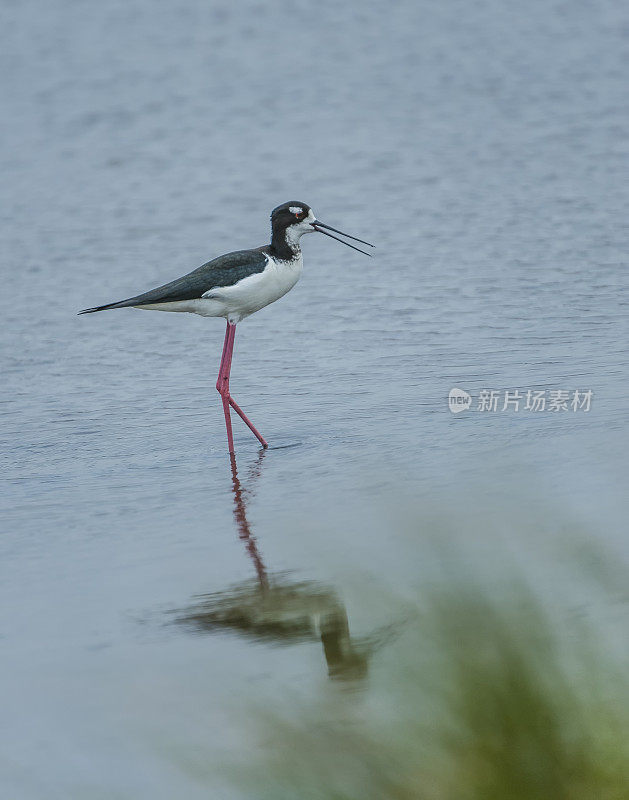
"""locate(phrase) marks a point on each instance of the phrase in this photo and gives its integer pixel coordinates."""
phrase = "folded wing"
(225, 270)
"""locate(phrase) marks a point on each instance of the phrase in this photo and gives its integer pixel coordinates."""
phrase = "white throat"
(296, 231)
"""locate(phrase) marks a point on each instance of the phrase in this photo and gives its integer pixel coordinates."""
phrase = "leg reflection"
(240, 516)
(274, 607)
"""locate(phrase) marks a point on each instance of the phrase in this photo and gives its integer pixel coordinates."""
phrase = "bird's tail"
(121, 304)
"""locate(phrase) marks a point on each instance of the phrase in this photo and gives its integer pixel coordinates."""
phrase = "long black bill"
(318, 226)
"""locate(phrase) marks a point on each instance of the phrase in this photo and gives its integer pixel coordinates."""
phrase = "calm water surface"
(148, 582)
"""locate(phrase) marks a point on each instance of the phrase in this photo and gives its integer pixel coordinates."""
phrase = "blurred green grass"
(495, 636)
(488, 694)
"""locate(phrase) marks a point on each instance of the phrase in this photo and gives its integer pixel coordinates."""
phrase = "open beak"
(318, 226)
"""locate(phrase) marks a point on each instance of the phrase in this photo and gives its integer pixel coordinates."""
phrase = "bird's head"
(291, 220)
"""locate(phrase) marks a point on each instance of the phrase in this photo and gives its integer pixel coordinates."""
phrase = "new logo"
(459, 400)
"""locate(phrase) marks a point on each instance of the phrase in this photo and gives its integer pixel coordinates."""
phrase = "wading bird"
(236, 285)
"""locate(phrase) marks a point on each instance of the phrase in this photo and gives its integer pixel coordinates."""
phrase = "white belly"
(245, 297)
(259, 290)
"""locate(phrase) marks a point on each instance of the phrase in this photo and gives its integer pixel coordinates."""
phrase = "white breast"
(259, 290)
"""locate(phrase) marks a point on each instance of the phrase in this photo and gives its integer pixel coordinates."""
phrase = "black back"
(222, 271)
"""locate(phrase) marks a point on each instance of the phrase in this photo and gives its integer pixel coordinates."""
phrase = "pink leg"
(222, 385)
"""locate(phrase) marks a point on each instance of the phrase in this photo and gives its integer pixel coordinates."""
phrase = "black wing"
(222, 271)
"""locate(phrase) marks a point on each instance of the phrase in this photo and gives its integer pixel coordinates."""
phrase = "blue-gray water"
(481, 146)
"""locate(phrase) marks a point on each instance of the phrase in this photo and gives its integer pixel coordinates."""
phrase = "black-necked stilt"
(237, 284)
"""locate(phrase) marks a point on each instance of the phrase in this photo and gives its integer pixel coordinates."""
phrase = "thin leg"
(248, 422)
(222, 385)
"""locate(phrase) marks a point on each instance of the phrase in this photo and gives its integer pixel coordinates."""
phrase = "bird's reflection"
(272, 607)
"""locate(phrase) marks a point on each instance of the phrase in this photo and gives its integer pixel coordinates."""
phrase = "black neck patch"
(280, 248)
